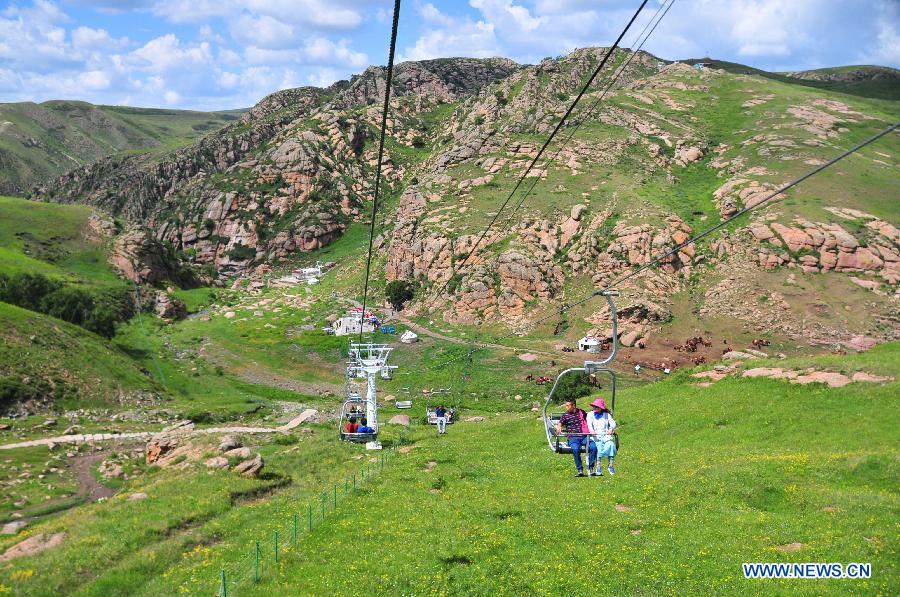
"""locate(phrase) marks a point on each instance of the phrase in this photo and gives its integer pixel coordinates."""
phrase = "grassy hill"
(746, 470)
(53, 240)
(49, 361)
(42, 141)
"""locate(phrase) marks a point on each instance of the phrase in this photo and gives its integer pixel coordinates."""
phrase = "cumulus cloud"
(215, 54)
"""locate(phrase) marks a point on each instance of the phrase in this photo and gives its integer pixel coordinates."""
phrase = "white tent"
(408, 337)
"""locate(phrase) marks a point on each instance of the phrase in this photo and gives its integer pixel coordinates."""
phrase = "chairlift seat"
(404, 404)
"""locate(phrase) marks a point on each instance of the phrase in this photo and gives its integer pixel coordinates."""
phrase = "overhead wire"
(384, 118)
(543, 148)
(658, 259)
(590, 110)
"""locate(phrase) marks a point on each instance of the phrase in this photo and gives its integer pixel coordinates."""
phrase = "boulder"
(111, 470)
(33, 545)
(399, 420)
(230, 442)
(241, 453)
(137, 496)
(11, 528)
(250, 468)
(217, 462)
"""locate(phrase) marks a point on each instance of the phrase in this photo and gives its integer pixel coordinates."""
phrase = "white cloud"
(94, 80)
(446, 35)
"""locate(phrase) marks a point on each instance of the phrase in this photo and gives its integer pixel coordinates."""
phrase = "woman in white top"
(602, 426)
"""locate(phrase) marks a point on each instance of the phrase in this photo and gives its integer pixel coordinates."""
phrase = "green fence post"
(309, 516)
(382, 461)
(256, 572)
(224, 585)
(276, 547)
(335, 496)
(354, 481)
(295, 527)
(346, 486)
(323, 505)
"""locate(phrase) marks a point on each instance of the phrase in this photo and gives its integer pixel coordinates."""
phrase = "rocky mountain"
(670, 150)
(42, 141)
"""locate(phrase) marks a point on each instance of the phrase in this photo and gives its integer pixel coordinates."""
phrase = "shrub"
(399, 292)
(241, 252)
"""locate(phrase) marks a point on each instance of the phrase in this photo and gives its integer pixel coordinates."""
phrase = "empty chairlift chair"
(558, 442)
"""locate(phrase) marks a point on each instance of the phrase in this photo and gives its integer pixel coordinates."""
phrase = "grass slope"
(40, 141)
(50, 239)
(72, 362)
(708, 478)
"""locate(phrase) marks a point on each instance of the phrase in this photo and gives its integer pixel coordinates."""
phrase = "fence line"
(255, 564)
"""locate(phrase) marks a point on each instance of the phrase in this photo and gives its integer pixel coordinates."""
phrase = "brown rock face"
(142, 259)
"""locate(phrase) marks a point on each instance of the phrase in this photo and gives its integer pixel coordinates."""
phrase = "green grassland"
(73, 366)
(707, 479)
(50, 239)
(40, 141)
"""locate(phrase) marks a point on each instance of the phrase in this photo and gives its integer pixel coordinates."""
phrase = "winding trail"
(101, 437)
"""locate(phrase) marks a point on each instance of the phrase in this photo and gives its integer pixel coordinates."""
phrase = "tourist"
(352, 426)
(364, 428)
(602, 426)
(573, 424)
(441, 413)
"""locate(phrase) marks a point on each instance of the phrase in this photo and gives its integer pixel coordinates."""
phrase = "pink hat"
(599, 403)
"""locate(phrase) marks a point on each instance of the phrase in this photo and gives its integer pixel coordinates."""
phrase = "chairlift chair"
(353, 411)
(558, 442)
(431, 411)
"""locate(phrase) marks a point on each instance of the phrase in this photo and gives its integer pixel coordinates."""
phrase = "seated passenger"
(352, 427)
(364, 428)
(602, 426)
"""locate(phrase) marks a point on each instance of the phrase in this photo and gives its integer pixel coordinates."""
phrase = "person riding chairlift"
(573, 423)
(601, 426)
(352, 427)
(364, 428)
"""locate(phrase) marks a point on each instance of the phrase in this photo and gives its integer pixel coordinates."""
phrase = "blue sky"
(220, 54)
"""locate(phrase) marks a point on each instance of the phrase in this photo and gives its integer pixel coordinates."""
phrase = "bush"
(573, 386)
(241, 253)
(399, 292)
(98, 312)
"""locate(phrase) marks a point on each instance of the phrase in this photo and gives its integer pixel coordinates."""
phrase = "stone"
(732, 355)
(630, 338)
(242, 453)
(111, 470)
(399, 420)
(622, 508)
(862, 343)
(790, 547)
(217, 462)
(870, 377)
(33, 545)
(137, 496)
(11, 528)
(250, 468)
(477, 419)
(230, 442)
(834, 380)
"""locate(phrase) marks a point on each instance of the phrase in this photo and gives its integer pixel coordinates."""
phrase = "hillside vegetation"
(41, 141)
(706, 479)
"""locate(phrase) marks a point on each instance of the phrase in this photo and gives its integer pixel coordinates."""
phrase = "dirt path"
(88, 486)
(100, 437)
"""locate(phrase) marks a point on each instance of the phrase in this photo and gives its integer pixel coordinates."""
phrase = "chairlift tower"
(370, 360)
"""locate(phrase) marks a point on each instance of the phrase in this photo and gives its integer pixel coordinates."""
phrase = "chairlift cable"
(545, 145)
(384, 118)
(616, 75)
